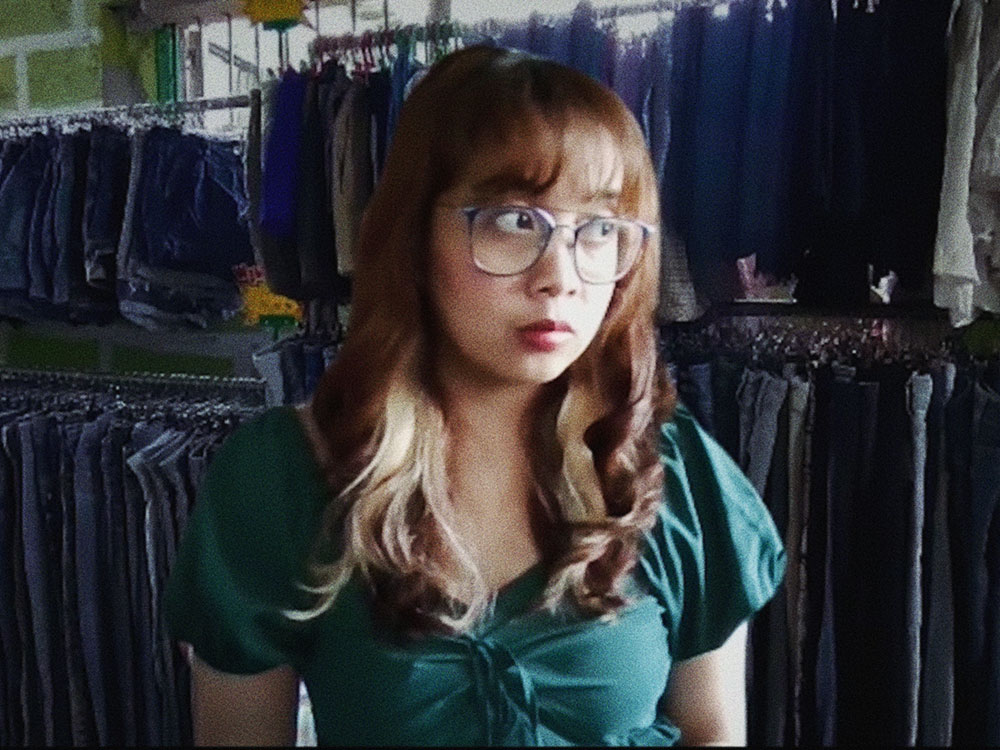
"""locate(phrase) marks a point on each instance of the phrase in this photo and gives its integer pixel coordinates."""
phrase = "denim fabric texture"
(937, 645)
(140, 539)
(726, 377)
(178, 272)
(42, 534)
(695, 389)
(90, 531)
(123, 628)
(84, 729)
(17, 207)
(761, 396)
(86, 661)
(919, 390)
(799, 397)
(32, 714)
(108, 167)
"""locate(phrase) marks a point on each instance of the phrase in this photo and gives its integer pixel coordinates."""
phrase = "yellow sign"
(268, 11)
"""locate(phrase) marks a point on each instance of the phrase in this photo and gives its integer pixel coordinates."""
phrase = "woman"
(490, 525)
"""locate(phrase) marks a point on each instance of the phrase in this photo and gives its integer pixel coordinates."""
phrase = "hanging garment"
(92, 499)
(960, 263)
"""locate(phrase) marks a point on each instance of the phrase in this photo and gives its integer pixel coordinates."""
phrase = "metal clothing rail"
(250, 386)
(661, 6)
(130, 110)
(444, 30)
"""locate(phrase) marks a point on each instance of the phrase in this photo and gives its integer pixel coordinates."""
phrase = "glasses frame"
(471, 212)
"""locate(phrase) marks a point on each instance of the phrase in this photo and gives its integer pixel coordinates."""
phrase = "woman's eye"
(516, 221)
(600, 230)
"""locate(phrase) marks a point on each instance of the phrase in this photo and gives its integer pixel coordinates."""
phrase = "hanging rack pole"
(256, 50)
(130, 110)
(134, 378)
(229, 59)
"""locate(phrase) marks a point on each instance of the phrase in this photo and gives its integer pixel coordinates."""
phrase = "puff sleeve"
(714, 557)
(245, 544)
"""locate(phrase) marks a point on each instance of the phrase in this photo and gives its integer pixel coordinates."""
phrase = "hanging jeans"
(99, 657)
(694, 386)
(124, 630)
(918, 390)
(761, 396)
(937, 646)
(12, 591)
(138, 525)
(975, 538)
(184, 231)
(108, 165)
(81, 708)
(852, 420)
(42, 536)
(799, 396)
(18, 195)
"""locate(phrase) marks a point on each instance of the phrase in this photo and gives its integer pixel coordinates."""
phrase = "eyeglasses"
(508, 240)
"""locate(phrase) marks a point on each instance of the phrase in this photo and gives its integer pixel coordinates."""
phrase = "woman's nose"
(555, 272)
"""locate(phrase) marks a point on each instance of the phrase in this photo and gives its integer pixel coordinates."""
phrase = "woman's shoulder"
(700, 475)
(714, 555)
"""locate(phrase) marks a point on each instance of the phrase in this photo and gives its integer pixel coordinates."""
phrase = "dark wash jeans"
(42, 536)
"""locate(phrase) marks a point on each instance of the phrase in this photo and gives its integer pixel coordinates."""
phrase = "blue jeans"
(918, 391)
(81, 708)
(108, 166)
(17, 206)
(42, 513)
(694, 385)
(40, 238)
(852, 421)
(33, 716)
(123, 628)
(657, 96)
(91, 572)
(937, 670)
(160, 537)
(140, 532)
(761, 396)
(11, 583)
(976, 536)
(184, 231)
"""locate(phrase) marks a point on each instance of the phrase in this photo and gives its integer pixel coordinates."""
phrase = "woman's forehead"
(581, 160)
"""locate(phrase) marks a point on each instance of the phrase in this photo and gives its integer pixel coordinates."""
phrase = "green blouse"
(524, 677)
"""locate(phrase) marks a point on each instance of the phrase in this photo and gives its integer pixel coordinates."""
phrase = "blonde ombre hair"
(376, 420)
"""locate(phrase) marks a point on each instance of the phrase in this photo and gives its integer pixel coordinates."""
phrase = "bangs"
(530, 160)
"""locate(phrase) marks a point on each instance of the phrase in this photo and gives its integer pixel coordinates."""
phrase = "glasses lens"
(605, 248)
(507, 240)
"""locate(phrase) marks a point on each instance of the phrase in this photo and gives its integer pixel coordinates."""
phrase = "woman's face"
(486, 320)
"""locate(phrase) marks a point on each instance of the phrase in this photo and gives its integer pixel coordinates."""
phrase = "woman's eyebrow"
(603, 195)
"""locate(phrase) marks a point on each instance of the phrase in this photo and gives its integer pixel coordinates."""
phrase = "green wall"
(72, 51)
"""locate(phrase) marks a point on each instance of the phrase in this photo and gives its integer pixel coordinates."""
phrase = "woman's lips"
(541, 340)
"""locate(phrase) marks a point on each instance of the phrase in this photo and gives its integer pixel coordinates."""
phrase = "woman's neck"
(500, 416)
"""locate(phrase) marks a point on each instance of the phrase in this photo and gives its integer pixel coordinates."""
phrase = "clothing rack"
(127, 111)
(243, 386)
(446, 30)
(841, 336)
